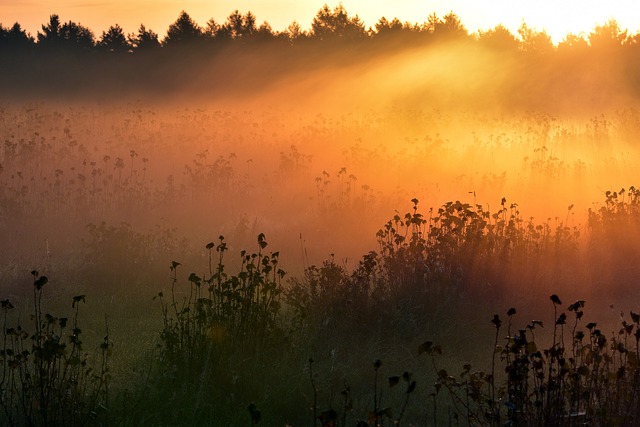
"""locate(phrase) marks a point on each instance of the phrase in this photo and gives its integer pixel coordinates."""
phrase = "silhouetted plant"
(593, 381)
(374, 416)
(221, 311)
(609, 228)
(423, 261)
(47, 377)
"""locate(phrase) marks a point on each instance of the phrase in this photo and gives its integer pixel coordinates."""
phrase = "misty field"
(410, 225)
(170, 230)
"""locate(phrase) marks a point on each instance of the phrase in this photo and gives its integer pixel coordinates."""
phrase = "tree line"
(241, 57)
(330, 25)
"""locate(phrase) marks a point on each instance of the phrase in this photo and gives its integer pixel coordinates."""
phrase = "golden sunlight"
(249, 205)
(558, 18)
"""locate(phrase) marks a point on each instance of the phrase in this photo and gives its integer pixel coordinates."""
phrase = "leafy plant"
(47, 376)
(212, 321)
(593, 379)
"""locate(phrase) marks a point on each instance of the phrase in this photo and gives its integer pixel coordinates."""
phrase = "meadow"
(151, 225)
(410, 225)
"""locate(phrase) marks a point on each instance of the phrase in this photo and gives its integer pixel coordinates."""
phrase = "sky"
(557, 17)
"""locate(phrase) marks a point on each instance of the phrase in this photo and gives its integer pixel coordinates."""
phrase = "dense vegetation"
(234, 347)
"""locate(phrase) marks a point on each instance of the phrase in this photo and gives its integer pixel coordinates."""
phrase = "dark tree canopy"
(114, 40)
(328, 24)
(333, 24)
(70, 36)
(50, 35)
(184, 30)
(386, 28)
(144, 39)
(212, 29)
(238, 26)
(77, 36)
(14, 38)
(498, 38)
(449, 27)
(58, 61)
(294, 32)
(264, 32)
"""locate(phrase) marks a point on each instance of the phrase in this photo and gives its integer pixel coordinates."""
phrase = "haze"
(131, 157)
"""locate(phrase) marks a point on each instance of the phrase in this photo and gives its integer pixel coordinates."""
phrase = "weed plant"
(222, 337)
(218, 333)
(242, 309)
(48, 378)
(610, 227)
(428, 266)
(582, 377)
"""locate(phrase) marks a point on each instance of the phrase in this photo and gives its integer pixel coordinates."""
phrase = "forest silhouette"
(241, 56)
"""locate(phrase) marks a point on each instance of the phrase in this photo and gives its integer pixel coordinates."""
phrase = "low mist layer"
(316, 183)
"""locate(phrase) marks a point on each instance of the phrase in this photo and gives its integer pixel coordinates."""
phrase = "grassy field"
(378, 266)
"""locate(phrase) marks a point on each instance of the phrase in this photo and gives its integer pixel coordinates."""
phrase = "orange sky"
(558, 17)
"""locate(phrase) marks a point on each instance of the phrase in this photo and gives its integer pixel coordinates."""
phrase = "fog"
(433, 185)
(318, 151)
